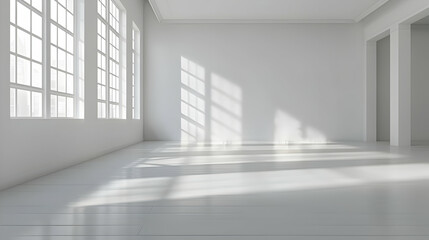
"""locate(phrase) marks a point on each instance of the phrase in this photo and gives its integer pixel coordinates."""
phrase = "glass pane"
(61, 106)
(12, 102)
(53, 34)
(61, 38)
(61, 59)
(23, 71)
(24, 15)
(36, 49)
(61, 82)
(70, 23)
(70, 5)
(36, 110)
(54, 10)
(70, 107)
(12, 39)
(12, 68)
(70, 43)
(54, 60)
(70, 84)
(36, 75)
(62, 16)
(37, 4)
(36, 24)
(54, 106)
(23, 103)
(53, 79)
(70, 65)
(63, 2)
(24, 44)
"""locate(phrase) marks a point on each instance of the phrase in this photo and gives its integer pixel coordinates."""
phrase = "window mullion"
(47, 58)
(108, 59)
(76, 70)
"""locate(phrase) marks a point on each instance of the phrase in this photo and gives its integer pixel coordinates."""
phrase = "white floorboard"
(168, 191)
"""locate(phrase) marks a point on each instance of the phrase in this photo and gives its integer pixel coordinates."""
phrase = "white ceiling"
(343, 11)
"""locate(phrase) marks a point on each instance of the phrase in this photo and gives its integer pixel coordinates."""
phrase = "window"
(45, 80)
(26, 58)
(135, 73)
(111, 83)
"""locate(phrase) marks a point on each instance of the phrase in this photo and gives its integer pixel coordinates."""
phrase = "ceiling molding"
(255, 21)
(160, 18)
(370, 10)
(155, 9)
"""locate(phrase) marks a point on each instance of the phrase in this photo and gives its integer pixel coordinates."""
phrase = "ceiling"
(255, 11)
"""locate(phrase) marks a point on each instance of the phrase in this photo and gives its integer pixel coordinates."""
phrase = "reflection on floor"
(168, 191)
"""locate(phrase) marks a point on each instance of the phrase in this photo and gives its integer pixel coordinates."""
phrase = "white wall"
(31, 148)
(383, 89)
(281, 82)
(420, 83)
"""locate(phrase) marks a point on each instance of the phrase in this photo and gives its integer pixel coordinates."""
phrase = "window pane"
(70, 43)
(70, 65)
(24, 44)
(36, 109)
(24, 15)
(54, 112)
(54, 60)
(37, 4)
(61, 59)
(70, 5)
(70, 84)
(23, 103)
(53, 79)
(23, 71)
(62, 16)
(61, 82)
(61, 38)
(70, 107)
(61, 106)
(53, 34)
(36, 24)
(12, 102)
(54, 10)
(12, 68)
(70, 23)
(12, 39)
(36, 75)
(36, 49)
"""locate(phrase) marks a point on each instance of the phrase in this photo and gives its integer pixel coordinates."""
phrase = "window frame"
(135, 72)
(121, 63)
(78, 59)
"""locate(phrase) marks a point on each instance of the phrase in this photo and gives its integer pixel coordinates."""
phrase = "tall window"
(26, 59)
(135, 73)
(62, 84)
(44, 74)
(111, 84)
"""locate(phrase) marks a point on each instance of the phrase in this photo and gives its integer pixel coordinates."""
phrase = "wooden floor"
(166, 191)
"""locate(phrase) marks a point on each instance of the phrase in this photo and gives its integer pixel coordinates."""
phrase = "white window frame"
(107, 99)
(135, 72)
(78, 61)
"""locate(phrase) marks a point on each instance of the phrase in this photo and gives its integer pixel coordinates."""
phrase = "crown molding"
(161, 19)
(254, 21)
(370, 10)
(155, 9)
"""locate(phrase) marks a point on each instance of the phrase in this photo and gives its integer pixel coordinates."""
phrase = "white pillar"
(371, 92)
(400, 85)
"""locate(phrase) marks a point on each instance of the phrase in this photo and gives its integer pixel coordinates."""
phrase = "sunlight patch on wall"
(193, 102)
(288, 129)
(226, 110)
